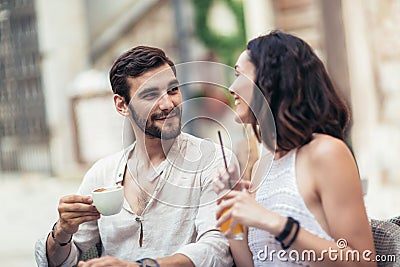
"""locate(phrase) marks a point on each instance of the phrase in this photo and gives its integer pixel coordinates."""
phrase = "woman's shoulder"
(324, 147)
(322, 144)
(329, 164)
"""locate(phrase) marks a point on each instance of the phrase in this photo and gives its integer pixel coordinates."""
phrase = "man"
(168, 217)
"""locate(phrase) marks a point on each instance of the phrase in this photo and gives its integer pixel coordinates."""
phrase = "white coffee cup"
(108, 200)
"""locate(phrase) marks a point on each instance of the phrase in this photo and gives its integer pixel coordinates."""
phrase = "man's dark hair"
(298, 89)
(133, 63)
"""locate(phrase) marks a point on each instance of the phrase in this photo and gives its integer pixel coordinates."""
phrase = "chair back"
(387, 240)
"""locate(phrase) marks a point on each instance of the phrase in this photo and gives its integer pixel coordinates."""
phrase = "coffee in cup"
(108, 200)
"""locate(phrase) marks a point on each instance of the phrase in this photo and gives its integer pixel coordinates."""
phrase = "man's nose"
(165, 102)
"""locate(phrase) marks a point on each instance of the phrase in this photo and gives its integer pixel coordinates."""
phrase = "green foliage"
(227, 47)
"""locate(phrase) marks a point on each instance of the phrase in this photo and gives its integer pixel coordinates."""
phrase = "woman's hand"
(244, 209)
(229, 179)
(241, 208)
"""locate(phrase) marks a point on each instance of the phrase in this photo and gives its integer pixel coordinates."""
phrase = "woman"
(310, 206)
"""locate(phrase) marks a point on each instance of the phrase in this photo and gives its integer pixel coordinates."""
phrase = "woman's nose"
(232, 89)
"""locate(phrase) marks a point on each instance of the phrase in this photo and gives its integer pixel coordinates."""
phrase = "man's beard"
(150, 129)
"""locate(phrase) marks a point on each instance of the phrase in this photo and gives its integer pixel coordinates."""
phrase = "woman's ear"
(120, 105)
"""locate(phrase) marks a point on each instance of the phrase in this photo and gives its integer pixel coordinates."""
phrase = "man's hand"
(75, 210)
(107, 262)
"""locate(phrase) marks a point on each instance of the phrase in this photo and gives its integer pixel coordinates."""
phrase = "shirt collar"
(174, 152)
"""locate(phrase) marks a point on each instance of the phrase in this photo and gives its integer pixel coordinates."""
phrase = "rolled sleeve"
(211, 247)
(41, 256)
(211, 250)
(86, 237)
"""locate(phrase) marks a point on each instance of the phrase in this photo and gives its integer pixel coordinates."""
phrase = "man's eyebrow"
(173, 82)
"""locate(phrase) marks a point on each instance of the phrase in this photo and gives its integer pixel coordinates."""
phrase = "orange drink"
(237, 233)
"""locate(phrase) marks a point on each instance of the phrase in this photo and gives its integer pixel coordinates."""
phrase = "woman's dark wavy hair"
(298, 89)
(133, 63)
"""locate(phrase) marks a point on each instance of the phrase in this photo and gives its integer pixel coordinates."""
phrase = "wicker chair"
(395, 220)
(387, 239)
(93, 252)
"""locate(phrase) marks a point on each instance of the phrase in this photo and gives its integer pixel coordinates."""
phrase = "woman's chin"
(242, 119)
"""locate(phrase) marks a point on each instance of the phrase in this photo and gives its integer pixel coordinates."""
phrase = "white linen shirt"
(180, 217)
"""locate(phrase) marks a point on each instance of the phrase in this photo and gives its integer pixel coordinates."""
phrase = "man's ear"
(120, 105)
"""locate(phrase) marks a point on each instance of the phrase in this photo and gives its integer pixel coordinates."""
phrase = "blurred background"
(56, 110)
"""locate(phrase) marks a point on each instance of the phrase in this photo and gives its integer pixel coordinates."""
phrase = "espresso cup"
(108, 200)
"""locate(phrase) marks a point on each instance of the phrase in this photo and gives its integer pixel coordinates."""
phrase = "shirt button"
(137, 219)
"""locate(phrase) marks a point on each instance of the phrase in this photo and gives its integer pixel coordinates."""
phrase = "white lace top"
(279, 193)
